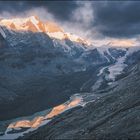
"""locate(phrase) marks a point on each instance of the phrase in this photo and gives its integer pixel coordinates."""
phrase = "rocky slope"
(115, 115)
(34, 24)
(32, 64)
(42, 67)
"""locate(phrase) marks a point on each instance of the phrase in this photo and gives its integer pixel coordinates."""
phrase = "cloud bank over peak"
(97, 21)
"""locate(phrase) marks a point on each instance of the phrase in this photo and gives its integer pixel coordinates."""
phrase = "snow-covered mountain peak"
(23, 24)
(34, 24)
(52, 27)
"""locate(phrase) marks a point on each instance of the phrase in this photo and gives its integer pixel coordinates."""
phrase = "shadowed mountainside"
(114, 115)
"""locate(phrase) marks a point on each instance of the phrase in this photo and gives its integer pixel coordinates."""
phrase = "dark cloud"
(60, 9)
(117, 19)
(113, 19)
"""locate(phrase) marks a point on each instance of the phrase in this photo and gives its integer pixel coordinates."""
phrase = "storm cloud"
(118, 19)
(60, 9)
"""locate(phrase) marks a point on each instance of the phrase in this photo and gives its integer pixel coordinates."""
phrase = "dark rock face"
(135, 58)
(36, 71)
(115, 115)
(3, 42)
(116, 53)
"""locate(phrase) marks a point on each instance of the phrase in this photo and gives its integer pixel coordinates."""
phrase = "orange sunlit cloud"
(123, 43)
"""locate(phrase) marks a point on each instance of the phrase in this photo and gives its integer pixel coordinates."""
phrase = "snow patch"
(57, 35)
(75, 100)
(102, 70)
(117, 68)
(8, 136)
(35, 22)
(103, 51)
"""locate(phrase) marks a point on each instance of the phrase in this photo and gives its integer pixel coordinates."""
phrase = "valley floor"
(116, 115)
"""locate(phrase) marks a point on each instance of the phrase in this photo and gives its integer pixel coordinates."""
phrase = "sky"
(99, 21)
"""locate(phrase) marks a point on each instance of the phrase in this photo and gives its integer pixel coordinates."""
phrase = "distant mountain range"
(34, 24)
(42, 67)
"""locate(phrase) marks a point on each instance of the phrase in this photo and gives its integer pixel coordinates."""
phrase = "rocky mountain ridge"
(45, 71)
